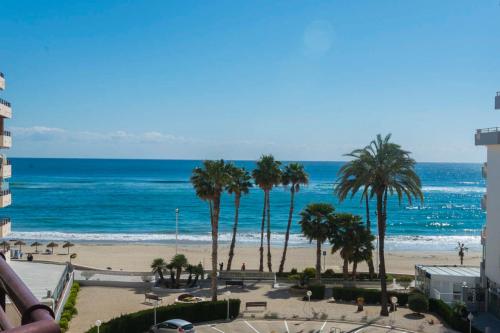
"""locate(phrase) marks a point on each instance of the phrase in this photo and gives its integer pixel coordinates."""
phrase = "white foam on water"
(454, 189)
(396, 243)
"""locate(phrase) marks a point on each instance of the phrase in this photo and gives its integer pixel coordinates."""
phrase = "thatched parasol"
(67, 245)
(20, 243)
(51, 246)
(36, 245)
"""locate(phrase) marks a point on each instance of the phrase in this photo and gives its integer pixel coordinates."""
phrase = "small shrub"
(293, 271)
(309, 272)
(418, 303)
(329, 273)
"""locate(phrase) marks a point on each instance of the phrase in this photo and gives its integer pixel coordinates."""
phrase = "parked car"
(173, 325)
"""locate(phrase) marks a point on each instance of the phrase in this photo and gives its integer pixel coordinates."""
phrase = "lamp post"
(324, 261)
(176, 228)
(98, 324)
(227, 293)
(309, 294)
(470, 317)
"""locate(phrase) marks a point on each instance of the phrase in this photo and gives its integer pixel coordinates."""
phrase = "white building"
(490, 237)
(5, 167)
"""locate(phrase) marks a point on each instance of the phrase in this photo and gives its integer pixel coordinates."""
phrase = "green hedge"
(318, 291)
(142, 321)
(69, 309)
(371, 296)
(451, 318)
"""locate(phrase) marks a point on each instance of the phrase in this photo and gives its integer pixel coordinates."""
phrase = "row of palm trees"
(376, 171)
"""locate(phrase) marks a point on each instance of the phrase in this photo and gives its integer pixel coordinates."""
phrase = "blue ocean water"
(135, 200)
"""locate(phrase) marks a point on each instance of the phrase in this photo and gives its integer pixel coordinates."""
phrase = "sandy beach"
(138, 257)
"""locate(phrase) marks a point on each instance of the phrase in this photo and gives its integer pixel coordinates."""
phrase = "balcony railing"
(4, 221)
(5, 133)
(4, 192)
(487, 136)
(35, 317)
(4, 102)
(497, 101)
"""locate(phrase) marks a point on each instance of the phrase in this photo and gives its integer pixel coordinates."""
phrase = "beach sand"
(138, 257)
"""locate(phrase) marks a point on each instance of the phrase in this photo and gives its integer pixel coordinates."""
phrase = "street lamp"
(470, 316)
(98, 323)
(227, 293)
(176, 228)
(309, 294)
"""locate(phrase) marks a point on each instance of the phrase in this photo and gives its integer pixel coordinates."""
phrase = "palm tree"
(209, 182)
(316, 224)
(239, 184)
(391, 171)
(348, 185)
(158, 267)
(267, 174)
(294, 176)
(178, 262)
(363, 246)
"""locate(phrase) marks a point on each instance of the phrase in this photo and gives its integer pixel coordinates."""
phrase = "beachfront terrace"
(5, 109)
(2, 81)
(487, 136)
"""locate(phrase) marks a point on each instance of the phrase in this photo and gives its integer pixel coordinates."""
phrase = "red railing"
(35, 317)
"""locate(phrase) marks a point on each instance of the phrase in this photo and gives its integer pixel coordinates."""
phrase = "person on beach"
(221, 266)
(461, 254)
(243, 267)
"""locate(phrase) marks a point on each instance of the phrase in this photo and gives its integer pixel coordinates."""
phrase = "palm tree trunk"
(381, 213)
(269, 262)
(287, 234)
(178, 277)
(215, 237)
(235, 229)
(371, 268)
(318, 260)
(261, 249)
(354, 269)
(345, 269)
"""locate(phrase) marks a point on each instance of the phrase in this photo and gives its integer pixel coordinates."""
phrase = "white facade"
(5, 167)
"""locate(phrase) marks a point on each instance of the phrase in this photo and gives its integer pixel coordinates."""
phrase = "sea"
(114, 200)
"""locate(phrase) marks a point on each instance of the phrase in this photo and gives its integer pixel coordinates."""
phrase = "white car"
(173, 325)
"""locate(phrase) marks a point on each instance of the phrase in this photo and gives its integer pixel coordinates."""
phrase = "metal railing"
(4, 221)
(488, 130)
(4, 102)
(5, 133)
(4, 192)
(35, 317)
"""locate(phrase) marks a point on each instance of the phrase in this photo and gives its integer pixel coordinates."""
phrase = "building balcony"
(5, 226)
(5, 170)
(497, 101)
(484, 170)
(488, 136)
(5, 139)
(2, 81)
(484, 201)
(5, 198)
(5, 109)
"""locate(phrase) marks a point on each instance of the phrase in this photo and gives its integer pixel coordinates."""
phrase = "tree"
(178, 262)
(391, 171)
(293, 176)
(349, 183)
(239, 184)
(342, 240)
(158, 267)
(361, 242)
(209, 182)
(316, 224)
(267, 174)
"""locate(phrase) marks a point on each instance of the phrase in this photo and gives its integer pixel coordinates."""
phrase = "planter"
(297, 292)
(189, 299)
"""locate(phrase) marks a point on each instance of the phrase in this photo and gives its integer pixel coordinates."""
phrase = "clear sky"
(304, 80)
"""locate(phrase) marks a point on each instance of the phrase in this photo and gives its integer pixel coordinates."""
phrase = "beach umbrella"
(5, 245)
(52, 245)
(36, 245)
(20, 243)
(67, 245)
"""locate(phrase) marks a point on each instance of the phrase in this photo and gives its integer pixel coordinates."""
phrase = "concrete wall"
(493, 215)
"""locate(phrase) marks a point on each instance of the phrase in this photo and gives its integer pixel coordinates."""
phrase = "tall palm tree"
(391, 171)
(239, 184)
(267, 174)
(294, 176)
(316, 224)
(346, 186)
(209, 182)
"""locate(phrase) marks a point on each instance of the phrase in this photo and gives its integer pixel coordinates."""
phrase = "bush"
(329, 273)
(69, 309)
(418, 303)
(293, 271)
(450, 317)
(371, 296)
(197, 312)
(318, 291)
(309, 272)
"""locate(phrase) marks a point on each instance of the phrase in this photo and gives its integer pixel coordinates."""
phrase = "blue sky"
(304, 80)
